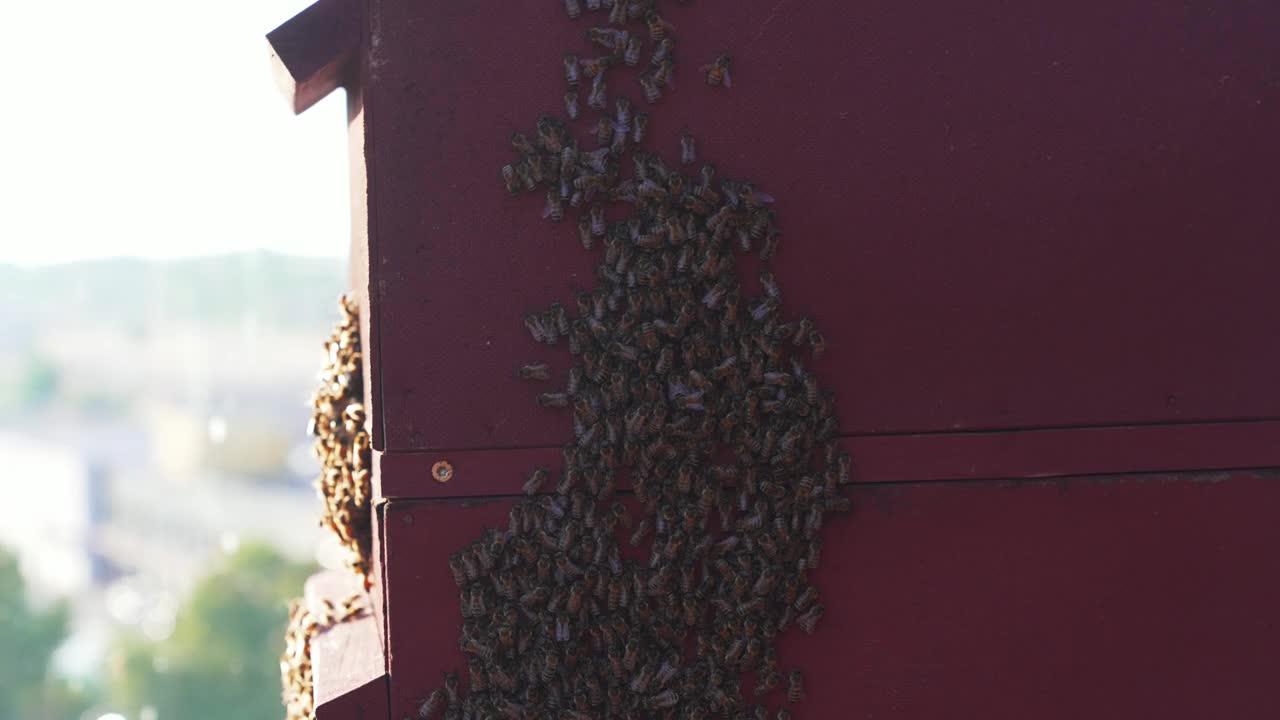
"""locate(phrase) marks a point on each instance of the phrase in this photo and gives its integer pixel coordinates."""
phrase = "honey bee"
(597, 99)
(554, 209)
(521, 143)
(513, 183)
(795, 686)
(642, 529)
(662, 51)
(594, 67)
(664, 699)
(573, 8)
(553, 400)
(688, 148)
(550, 133)
(652, 93)
(571, 104)
(631, 55)
(618, 13)
(432, 705)
(639, 124)
(664, 73)
(817, 343)
(808, 621)
(535, 481)
(593, 4)
(455, 567)
(571, 70)
(535, 371)
(604, 131)
(658, 27)
(718, 72)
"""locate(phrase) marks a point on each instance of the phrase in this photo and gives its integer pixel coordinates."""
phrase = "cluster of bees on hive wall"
(667, 603)
(342, 446)
(341, 443)
(295, 663)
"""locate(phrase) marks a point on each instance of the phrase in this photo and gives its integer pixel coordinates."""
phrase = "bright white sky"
(155, 128)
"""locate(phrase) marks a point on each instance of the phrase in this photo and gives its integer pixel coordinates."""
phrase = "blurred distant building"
(54, 501)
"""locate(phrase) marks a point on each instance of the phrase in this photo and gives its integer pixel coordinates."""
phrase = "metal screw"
(442, 471)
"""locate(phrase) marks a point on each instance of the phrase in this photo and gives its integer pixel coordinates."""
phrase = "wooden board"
(1005, 217)
(1106, 597)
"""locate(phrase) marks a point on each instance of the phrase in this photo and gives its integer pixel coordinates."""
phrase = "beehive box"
(1037, 240)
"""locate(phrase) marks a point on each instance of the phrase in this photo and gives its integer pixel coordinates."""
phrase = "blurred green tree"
(222, 660)
(39, 383)
(28, 638)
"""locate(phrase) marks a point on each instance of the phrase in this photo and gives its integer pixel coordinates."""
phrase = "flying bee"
(652, 93)
(554, 209)
(688, 148)
(573, 8)
(631, 55)
(571, 104)
(718, 72)
(638, 126)
(535, 371)
(553, 400)
(597, 99)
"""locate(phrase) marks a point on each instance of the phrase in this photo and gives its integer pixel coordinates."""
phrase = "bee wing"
(728, 80)
(762, 197)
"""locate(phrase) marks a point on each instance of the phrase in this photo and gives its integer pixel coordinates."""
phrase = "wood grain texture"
(1109, 597)
(1005, 217)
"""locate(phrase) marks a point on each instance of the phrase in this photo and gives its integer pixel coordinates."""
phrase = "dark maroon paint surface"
(1117, 597)
(1004, 215)
(903, 458)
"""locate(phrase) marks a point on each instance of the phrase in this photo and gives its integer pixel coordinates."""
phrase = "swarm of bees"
(341, 442)
(295, 662)
(685, 386)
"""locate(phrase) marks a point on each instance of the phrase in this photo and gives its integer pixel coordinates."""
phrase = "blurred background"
(172, 246)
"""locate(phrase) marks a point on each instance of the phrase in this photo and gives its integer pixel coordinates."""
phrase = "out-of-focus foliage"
(222, 659)
(28, 638)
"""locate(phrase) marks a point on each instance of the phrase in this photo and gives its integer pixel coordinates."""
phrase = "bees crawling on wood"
(717, 72)
(685, 382)
(341, 443)
(295, 663)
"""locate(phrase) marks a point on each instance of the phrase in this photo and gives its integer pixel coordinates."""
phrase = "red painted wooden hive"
(1040, 241)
